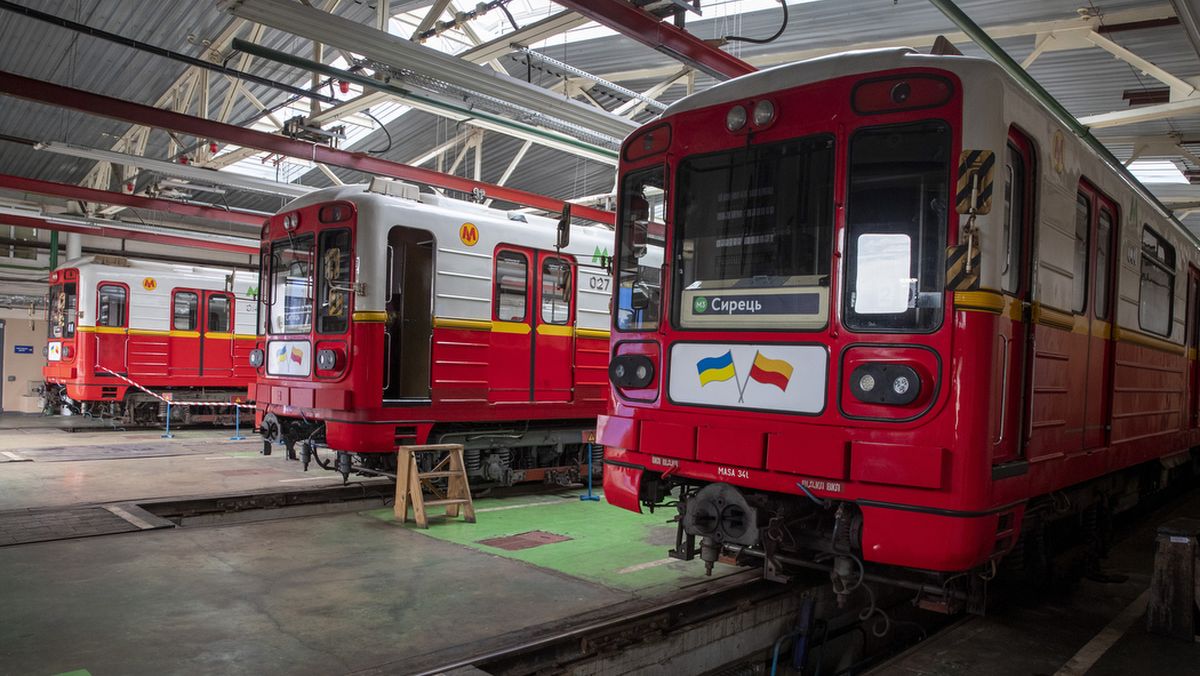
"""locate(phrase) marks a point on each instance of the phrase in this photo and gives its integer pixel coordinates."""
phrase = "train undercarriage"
(1063, 536)
(140, 408)
(494, 456)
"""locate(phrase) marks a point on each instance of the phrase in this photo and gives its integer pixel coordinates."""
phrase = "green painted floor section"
(608, 545)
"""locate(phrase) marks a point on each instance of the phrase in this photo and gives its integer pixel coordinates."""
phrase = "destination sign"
(757, 304)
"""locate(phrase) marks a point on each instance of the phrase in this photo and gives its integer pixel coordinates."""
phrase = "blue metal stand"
(167, 434)
(589, 495)
(237, 424)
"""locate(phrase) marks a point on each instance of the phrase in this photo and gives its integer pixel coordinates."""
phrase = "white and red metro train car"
(840, 363)
(392, 317)
(178, 330)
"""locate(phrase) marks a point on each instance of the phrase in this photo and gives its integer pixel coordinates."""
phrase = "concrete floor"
(1069, 634)
(323, 594)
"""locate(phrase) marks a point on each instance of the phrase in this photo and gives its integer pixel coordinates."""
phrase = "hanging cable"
(385, 131)
(763, 41)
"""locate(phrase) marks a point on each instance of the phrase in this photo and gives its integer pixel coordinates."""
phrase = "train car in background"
(395, 317)
(904, 319)
(178, 330)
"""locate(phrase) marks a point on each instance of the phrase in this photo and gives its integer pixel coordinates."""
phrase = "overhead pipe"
(75, 192)
(1035, 89)
(75, 228)
(277, 56)
(107, 106)
(638, 24)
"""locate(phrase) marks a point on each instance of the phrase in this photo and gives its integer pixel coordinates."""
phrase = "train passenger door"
(1014, 339)
(510, 360)
(1098, 391)
(216, 342)
(112, 326)
(408, 331)
(183, 358)
(1193, 342)
(554, 329)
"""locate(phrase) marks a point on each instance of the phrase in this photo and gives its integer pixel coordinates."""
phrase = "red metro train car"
(837, 362)
(395, 317)
(177, 329)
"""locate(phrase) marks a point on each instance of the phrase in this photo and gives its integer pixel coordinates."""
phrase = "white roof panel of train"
(824, 68)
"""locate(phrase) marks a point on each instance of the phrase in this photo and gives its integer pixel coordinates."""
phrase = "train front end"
(791, 375)
(61, 372)
(316, 333)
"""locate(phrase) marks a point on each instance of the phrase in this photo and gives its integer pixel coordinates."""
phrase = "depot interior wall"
(22, 372)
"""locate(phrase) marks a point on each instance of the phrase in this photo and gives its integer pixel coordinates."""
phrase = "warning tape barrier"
(172, 402)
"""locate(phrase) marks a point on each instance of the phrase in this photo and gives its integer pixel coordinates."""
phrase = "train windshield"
(639, 263)
(291, 285)
(896, 224)
(754, 236)
(63, 310)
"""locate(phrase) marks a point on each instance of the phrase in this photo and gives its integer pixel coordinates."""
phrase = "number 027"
(599, 283)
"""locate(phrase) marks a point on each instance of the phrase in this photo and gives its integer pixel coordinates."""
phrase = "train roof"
(134, 266)
(362, 191)
(825, 68)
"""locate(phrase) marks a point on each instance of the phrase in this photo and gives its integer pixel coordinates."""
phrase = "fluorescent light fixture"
(1157, 171)
(97, 224)
(185, 171)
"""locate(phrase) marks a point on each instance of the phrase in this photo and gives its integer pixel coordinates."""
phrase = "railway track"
(690, 631)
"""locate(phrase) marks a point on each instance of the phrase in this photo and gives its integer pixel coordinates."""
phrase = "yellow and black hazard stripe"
(972, 163)
(958, 278)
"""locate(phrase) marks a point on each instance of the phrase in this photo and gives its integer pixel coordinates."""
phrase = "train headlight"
(764, 113)
(900, 384)
(257, 356)
(735, 119)
(67, 352)
(631, 371)
(866, 383)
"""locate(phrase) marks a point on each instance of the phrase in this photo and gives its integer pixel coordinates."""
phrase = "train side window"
(512, 283)
(556, 291)
(1014, 203)
(218, 314)
(1156, 291)
(112, 304)
(1104, 229)
(183, 316)
(1083, 223)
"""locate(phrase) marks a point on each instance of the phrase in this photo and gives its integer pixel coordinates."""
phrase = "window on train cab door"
(1014, 204)
(896, 223)
(641, 238)
(1104, 234)
(218, 314)
(556, 291)
(333, 291)
(112, 303)
(1156, 293)
(1083, 223)
(183, 316)
(63, 311)
(512, 284)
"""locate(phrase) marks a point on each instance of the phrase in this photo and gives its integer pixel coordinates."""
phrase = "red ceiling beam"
(75, 192)
(98, 104)
(124, 233)
(640, 25)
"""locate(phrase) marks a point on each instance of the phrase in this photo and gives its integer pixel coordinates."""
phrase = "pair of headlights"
(327, 359)
(889, 384)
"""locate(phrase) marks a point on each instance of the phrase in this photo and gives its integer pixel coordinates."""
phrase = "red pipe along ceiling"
(33, 185)
(197, 242)
(98, 104)
(638, 24)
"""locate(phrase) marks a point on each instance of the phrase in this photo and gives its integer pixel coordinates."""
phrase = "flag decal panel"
(771, 377)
